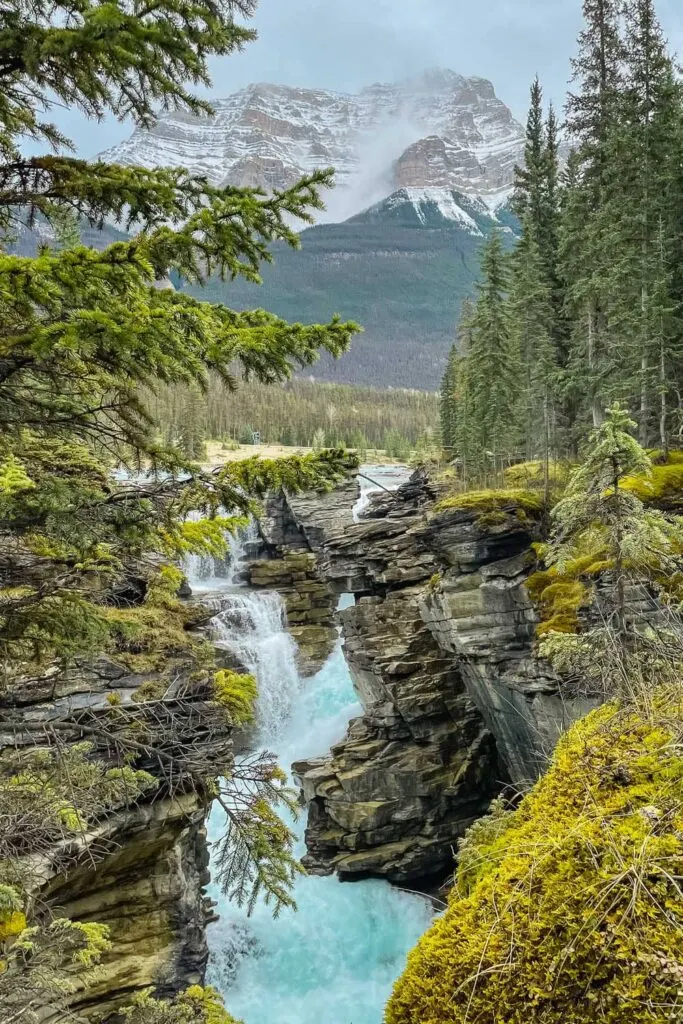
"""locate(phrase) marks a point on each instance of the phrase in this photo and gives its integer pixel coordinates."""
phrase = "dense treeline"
(587, 309)
(300, 412)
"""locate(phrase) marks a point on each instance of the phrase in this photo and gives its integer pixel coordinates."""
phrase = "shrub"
(569, 909)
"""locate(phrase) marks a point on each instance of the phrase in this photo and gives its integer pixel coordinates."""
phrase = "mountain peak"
(438, 129)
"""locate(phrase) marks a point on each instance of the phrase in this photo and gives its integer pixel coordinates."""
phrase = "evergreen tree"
(602, 525)
(586, 232)
(640, 210)
(192, 434)
(537, 203)
(531, 180)
(447, 402)
(86, 336)
(531, 319)
(492, 369)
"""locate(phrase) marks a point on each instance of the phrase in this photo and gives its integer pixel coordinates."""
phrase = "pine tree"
(531, 318)
(537, 203)
(591, 112)
(531, 180)
(492, 369)
(447, 402)
(640, 211)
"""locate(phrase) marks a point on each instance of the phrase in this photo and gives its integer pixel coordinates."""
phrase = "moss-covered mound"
(662, 487)
(493, 500)
(570, 909)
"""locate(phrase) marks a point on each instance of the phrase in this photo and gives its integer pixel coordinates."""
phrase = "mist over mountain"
(439, 129)
(424, 168)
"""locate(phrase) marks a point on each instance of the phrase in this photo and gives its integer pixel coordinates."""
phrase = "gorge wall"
(439, 643)
(142, 868)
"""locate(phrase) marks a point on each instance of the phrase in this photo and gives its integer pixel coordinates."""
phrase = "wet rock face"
(420, 765)
(415, 770)
(309, 603)
(481, 615)
(440, 648)
(150, 894)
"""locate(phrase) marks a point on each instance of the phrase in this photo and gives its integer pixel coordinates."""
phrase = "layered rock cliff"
(142, 867)
(438, 129)
(440, 647)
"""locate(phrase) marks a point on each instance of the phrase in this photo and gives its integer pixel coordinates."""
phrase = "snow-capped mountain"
(440, 130)
(434, 206)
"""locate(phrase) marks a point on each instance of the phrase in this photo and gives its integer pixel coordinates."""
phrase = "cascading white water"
(335, 959)
(210, 574)
(251, 624)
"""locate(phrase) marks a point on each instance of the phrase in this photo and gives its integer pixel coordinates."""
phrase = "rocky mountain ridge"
(440, 130)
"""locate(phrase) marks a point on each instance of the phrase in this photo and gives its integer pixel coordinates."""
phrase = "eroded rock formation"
(420, 765)
(309, 604)
(150, 893)
(456, 703)
(142, 868)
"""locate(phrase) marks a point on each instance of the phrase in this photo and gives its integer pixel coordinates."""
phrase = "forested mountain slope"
(401, 269)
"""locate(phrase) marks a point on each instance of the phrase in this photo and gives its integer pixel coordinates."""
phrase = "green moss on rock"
(570, 909)
(489, 501)
(662, 487)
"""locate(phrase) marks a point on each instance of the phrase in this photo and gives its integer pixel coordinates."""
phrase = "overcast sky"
(350, 44)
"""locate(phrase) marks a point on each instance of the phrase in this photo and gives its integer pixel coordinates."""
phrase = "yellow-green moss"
(560, 596)
(532, 475)
(435, 582)
(12, 924)
(488, 520)
(574, 912)
(154, 636)
(662, 488)
(196, 1005)
(659, 458)
(151, 689)
(492, 501)
(559, 599)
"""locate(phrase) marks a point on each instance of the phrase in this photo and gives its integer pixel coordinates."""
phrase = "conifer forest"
(587, 308)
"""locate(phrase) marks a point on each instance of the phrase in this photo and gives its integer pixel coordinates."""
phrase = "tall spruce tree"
(492, 367)
(531, 179)
(640, 210)
(447, 401)
(591, 112)
(531, 322)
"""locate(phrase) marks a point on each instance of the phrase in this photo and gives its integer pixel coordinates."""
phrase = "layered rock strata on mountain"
(437, 129)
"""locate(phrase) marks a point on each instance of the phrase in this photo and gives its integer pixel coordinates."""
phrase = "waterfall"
(205, 573)
(251, 624)
(335, 959)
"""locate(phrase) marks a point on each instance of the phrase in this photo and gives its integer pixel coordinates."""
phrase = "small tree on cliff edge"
(603, 526)
(81, 331)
